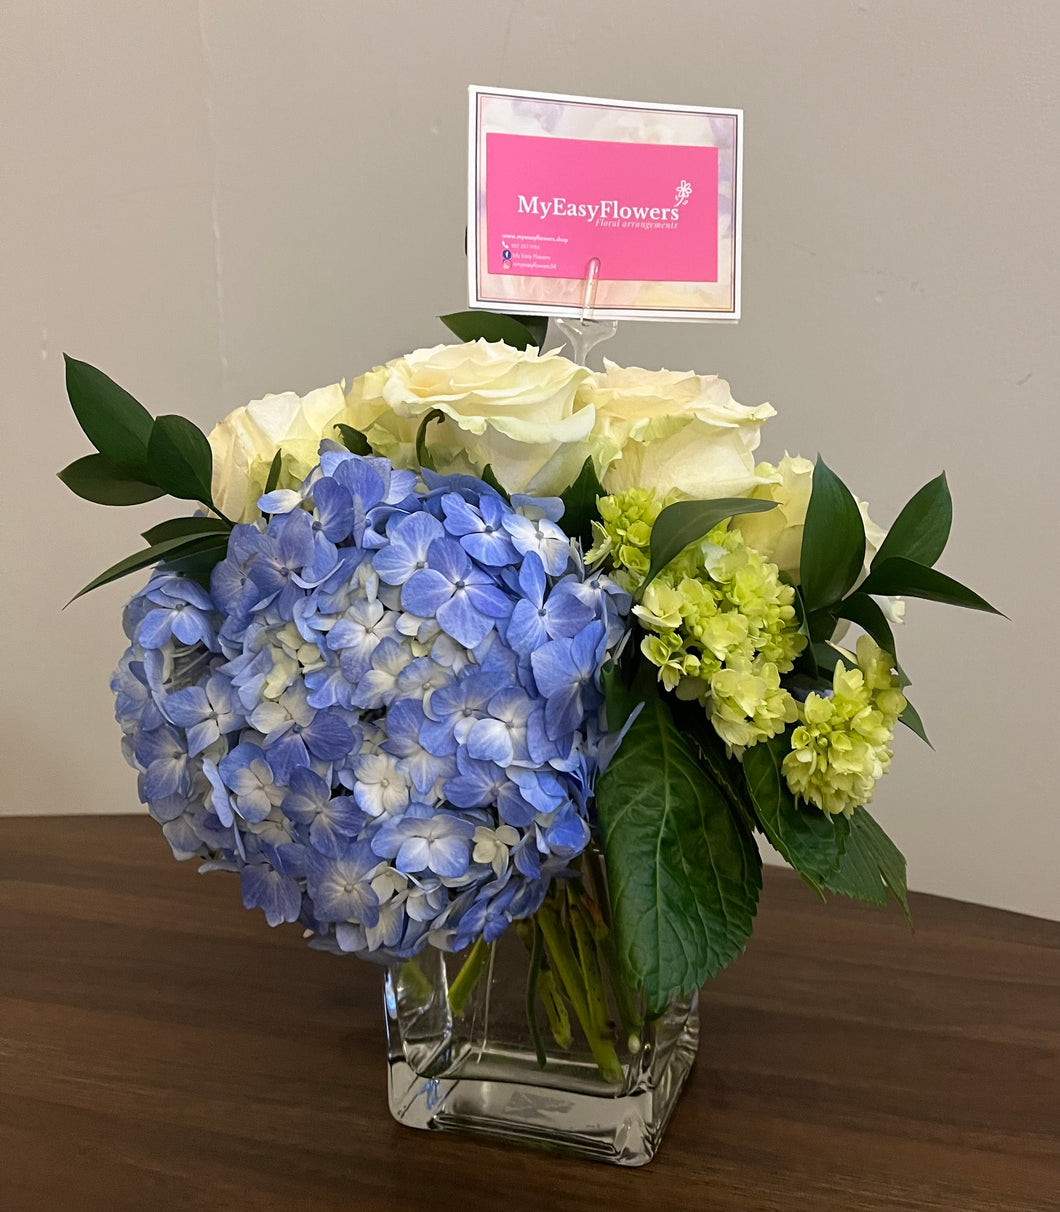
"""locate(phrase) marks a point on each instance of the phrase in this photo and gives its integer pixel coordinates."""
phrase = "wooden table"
(160, 1048)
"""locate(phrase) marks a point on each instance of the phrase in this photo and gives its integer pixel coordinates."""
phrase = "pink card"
(644, 197)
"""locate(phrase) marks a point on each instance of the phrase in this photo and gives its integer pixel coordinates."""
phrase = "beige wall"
(220, 199)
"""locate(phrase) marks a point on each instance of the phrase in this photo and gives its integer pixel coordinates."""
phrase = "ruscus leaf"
(171, 548)
(183, 528)
(180, 460)
(97, 478)
(910, 717)
(117, 425)
(808, 659)
(686, 521)
(423, 455)
(904, 578)
(519, 332)
(537, 326)
(198, 564)
(859, 608)
(354, 441)
(273, 478)
(833, 541)
(490, 478)
(579, 503)
(921, 530)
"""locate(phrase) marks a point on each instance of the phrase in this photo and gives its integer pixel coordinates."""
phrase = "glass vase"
(535, 1038)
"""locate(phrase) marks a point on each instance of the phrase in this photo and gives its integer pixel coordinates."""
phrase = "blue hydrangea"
(385, 714)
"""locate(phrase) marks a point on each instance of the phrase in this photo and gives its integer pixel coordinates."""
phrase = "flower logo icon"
(683, 193)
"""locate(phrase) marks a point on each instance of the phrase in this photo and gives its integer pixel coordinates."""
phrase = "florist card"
(631, 207)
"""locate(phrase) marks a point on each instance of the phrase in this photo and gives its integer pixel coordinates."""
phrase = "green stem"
(625, 1002)
(595, 1002)
(555, 1008)
(536, 956)
(467, 978)
(213, 509)
(563, 961)
(415, 984)
(628, 1014)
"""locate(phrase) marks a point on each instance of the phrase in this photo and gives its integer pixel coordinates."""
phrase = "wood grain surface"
(160, 1048)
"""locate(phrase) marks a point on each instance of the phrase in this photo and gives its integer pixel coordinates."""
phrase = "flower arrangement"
(428, 639)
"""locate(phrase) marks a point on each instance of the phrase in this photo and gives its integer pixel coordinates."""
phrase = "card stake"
(584, 333)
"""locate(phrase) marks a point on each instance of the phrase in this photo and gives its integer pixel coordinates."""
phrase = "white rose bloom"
(777, 534)
(516, 410)
(245, 443)
(671, 430)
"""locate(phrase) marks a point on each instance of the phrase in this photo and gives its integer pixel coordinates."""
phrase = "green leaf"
(822, 625)
(200, 563)
(492, 326)
(910, 717)
(807, 660)
(685, 522)
(423, 455)
(117, 425)
(922, 528)
(833, 541)
(827, 656)
(275, 467)
(183, 528)
(684, 875)
(488, 477)
(180, 460)
(810, 840)
(537, 326)
(871, 866)
(170, 548)
(904, 578)
(860, 609)
(620, 695)
(354, 440)
(97, 478)
(579, 504)
(725, 771)
(867, 614)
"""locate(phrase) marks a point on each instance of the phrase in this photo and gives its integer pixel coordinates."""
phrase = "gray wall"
(216, 200)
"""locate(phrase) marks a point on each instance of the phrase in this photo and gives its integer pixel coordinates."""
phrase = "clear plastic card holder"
(583, 333)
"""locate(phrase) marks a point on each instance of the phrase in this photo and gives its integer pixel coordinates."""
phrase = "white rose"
(245, 443)
(515, 410)
(670, 430)
(777, 534)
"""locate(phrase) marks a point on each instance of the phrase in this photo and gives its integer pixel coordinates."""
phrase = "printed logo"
(607, 212)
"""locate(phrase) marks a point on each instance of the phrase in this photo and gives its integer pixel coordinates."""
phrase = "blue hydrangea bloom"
(386, 712)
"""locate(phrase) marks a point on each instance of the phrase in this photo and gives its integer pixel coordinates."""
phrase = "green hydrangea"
(842, 746)
(624, 534)
(747, 703)
(721, 625)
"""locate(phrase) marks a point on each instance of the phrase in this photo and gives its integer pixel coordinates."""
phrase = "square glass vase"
(533, 1039)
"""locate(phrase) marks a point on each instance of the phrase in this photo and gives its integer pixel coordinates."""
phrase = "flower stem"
(414, 984)
(628, 1013)
(555, 1008)
(467, 978)
(532, 977)
(595, 1002)
(562, 958)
